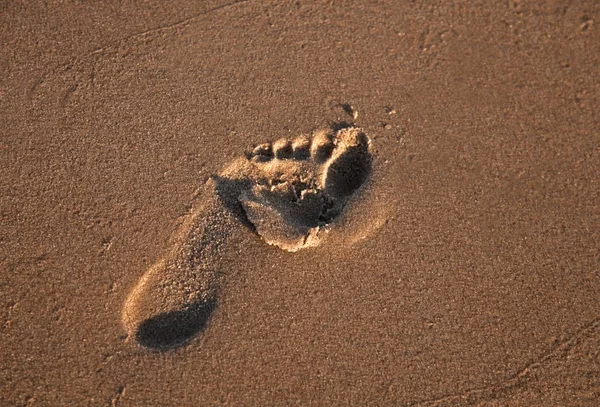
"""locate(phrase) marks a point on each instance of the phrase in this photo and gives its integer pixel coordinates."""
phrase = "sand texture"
(321, 203)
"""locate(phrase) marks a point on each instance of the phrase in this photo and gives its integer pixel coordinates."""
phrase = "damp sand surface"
(461, 270)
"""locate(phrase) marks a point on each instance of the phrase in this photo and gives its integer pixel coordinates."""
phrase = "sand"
(466, 271)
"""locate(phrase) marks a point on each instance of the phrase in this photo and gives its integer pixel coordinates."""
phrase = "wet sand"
(466, 272)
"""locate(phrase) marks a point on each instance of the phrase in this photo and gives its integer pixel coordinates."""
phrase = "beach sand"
(464, 271)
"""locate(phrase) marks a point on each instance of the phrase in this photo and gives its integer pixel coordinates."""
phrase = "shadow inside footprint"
(174, 328)
(348, 172)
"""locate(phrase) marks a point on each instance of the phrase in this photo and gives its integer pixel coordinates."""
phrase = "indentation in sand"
(287, 191)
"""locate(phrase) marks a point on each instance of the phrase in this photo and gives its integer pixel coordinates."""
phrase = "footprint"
(287, 192)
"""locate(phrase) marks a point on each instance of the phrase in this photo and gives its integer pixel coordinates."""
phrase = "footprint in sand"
(288, 191)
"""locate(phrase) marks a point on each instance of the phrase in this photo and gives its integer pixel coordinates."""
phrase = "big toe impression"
(351, 168)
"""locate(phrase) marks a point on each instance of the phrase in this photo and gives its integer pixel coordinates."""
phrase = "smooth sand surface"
(467, 271)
